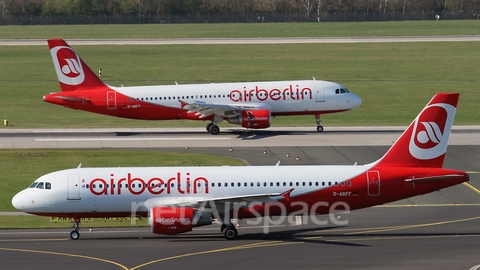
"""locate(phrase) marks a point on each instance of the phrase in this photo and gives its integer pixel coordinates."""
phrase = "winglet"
(286, 194)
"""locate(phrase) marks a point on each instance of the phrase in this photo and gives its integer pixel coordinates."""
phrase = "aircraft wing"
(207, 109)
(248, 198)
(219, 202)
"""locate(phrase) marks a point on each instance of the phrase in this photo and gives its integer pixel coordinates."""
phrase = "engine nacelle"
(255, 119)
(174, 220)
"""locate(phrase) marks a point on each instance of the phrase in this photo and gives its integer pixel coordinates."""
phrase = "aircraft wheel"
(74, 235)
(214, 130)
(230, 233)
(209, 126)
(320, 129)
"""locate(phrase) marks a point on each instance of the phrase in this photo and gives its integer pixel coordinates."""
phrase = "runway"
(228, 137)
(436, 231)
(192, 41)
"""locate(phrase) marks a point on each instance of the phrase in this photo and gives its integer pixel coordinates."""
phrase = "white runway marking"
(130, 139)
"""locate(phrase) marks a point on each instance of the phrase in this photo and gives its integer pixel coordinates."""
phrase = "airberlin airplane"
(178, 198)
(249, 104)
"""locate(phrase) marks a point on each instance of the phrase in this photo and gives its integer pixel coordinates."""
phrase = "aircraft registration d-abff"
(249, 104)
(179, 198)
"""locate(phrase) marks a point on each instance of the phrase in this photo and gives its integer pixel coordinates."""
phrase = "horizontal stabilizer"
(433, 178)
(72, 99)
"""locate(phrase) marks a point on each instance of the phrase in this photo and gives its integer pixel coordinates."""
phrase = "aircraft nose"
(355, 101)
(18, 201)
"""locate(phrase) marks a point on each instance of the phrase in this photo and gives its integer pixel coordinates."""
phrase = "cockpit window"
(48, 185)
(341, 91)
(34, 184)
(40, 185)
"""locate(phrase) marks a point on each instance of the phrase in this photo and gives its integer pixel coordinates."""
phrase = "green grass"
(19, 168)
(395, 80)
(247, 30)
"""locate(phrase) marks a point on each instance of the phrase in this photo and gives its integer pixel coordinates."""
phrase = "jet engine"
(174, 220)
(255, 119)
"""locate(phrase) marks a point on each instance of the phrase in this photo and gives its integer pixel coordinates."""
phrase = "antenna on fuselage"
(79, 166)
(314, 78)
(176, 83)
(278, 164)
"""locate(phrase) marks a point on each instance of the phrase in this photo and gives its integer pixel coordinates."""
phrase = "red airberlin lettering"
(154, 185)
(291, 92)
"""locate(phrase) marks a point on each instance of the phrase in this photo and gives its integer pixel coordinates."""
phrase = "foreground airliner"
(249, 104)
(179, 198)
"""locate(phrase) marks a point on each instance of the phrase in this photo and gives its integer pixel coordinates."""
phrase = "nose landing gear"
(74, 235)
(318, 120)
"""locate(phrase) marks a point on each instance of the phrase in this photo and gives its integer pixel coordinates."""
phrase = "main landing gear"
(317, 119)
(213, 128)
(76, 227)
(229, 231)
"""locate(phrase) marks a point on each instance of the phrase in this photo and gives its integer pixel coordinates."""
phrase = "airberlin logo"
(261, 94)
(431, 131)
(178, 184)
(67, 65)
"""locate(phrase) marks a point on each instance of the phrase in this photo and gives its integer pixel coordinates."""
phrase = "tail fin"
(73, 74)
(424, 142)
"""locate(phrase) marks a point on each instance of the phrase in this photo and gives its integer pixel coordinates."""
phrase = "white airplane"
(249, 104)
(178, 198)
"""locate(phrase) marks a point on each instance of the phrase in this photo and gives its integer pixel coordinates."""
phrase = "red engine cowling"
(252, 119)
(171, 220)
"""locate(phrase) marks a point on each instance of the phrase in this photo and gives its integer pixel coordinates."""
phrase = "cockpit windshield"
(41, 185)
(341, 91)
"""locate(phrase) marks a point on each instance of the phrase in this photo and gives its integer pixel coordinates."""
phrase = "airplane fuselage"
(116, 192)
(166, 101)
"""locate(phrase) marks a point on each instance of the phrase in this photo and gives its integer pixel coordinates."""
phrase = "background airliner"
(179, 198)
(249, 104)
